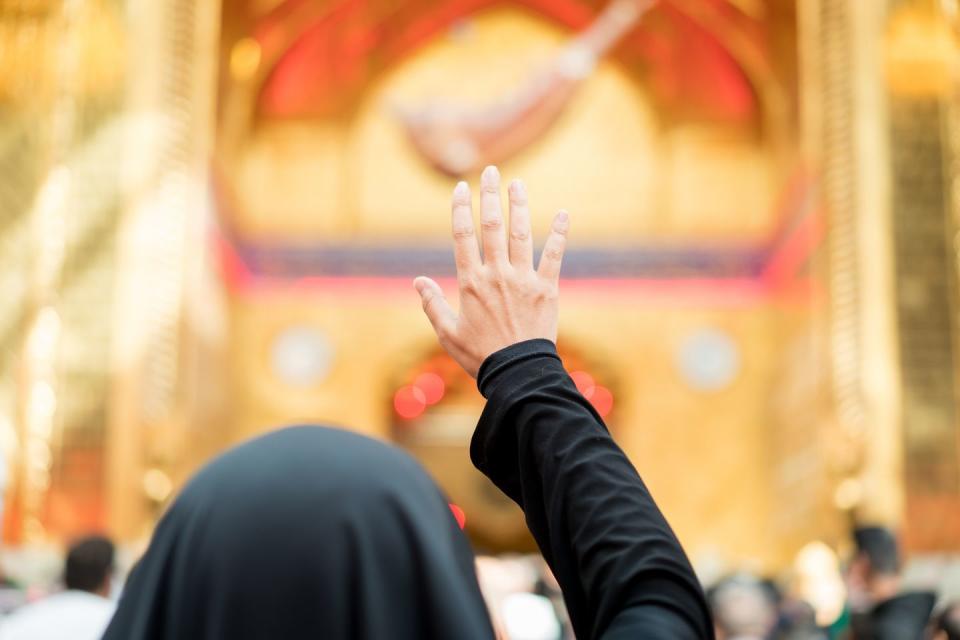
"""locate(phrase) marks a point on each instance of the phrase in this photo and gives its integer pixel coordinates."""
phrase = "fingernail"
(462, 190)
(490, 176)
(518, 188)
(419, 284)
(563, 216)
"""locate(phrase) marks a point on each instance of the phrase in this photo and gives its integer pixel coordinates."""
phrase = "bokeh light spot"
(432, 386)
(409, 402)
(585, 383)
(602, 400)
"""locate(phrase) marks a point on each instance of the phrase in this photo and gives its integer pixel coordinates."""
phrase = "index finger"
(465, 250)
(552, 256)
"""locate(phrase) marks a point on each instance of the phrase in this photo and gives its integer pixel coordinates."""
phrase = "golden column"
(61, 67)
(108, 112)
(844, 117)
(920, 62)
(166, 303)
(880, 120)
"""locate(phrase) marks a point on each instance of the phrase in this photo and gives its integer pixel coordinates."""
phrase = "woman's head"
(306, 532)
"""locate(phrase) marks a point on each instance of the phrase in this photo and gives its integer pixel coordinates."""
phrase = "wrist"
(498, 362)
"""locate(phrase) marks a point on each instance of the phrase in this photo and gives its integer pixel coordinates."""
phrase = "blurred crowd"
(525, 602)
(872, 599)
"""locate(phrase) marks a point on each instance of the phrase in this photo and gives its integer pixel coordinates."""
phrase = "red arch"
(337, 54)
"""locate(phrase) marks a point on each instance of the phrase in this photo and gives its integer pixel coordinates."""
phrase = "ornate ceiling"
(703, 58)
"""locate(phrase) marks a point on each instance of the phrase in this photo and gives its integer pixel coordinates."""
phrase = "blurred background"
(211, 214)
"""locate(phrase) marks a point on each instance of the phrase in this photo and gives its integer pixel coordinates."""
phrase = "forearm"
(598, 527)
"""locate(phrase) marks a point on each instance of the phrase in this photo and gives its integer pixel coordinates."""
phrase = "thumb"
(435, 305)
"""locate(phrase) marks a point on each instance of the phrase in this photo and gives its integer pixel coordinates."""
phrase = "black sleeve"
(621, 568)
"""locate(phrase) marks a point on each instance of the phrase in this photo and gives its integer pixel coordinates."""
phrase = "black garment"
(307, 532)
(903, 617)
(622, 570)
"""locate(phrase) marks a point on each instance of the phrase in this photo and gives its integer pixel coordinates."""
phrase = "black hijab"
(307, 532)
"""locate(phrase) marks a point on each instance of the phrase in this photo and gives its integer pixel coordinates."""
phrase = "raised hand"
(503, 299)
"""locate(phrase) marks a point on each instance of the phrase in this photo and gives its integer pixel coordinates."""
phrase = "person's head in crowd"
(306, 532)
(773, 590)
(798, 621)
(89, 565)
(874, 572)
(948, 623)
(878, 608)
(743, 609)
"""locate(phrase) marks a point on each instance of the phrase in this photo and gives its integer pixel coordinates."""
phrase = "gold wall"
(718, 460)
(710, 457)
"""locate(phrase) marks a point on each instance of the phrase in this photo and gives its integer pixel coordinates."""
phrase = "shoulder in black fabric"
(307, 532)
(903, 617)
